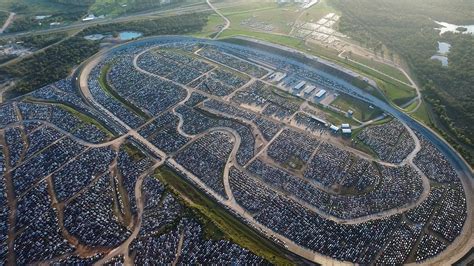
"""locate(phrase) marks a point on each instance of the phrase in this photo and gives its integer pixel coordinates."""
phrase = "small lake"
(443, 59)
(443, 47)
(94, 37)
(447, 27)
(129, 35)
(443, 50)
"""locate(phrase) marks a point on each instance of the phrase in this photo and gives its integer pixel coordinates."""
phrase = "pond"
(443, 59)
(447, 27)
(443, 47)
(94, 37)
(129, 35)
(443, 50)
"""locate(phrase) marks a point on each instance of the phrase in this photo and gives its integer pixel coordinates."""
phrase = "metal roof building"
(346, 131)
(320, 93)
(300, 85)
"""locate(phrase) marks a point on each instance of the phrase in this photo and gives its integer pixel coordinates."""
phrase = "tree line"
(56, 62)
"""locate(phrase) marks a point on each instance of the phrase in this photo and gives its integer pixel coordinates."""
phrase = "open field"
(362, 110)
(316, 12)
(26, 10)
(423, 114)
(3, 17)
(385, 68)
(263, 18)
(214, 22)
(113, 8)
(334, 117)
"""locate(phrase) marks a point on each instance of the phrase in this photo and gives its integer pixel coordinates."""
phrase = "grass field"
(412, 106)
(334, 117)
(272, 38)
(34, 7)
(26, 10)
(317, 11)
(232, 228)
(3, 17)
(397, 92)
(384, 68)
(245, 6)
(281, 18)
(213, 23)
(113, 8)
(423, 114)
(362, 110)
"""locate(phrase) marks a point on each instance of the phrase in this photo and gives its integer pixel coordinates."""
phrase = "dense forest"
(169, 25)
(75, 2)
(67, 11)
(49, 65)
(54, 10)
(119, 7)
(56, 62)
(408, 27)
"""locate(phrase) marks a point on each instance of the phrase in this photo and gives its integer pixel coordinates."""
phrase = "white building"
(346, 131)
(320, 94)
(89, 18)
(308, 90)
(300, 85)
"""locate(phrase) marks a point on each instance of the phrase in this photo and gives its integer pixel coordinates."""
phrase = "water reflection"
(447, 27)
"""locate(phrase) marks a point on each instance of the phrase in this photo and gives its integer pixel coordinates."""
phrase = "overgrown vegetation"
(118, 7)
(54, 11)
(181, 24)
(362, 110)
(68, 11)
(49, 65)
(55, 62)
(408, 27)
(35, 41)
(3, 17)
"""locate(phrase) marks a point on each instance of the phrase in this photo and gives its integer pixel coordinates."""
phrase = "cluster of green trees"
(118, 7)
(75, 2)
(408, 27)
(139, 5)
(3, 17)
(50, 65)
(28, 22)
(181, 24)
(35, 41)
(55, 62)
(62, 11)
